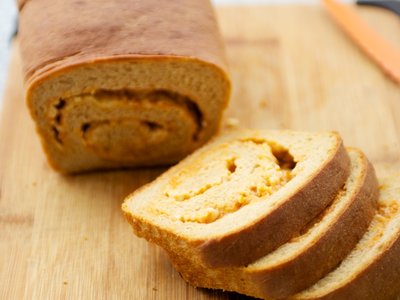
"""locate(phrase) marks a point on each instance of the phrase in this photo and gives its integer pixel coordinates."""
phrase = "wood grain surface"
(65, 237)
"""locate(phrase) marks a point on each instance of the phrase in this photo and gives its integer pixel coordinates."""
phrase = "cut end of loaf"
(127, 111)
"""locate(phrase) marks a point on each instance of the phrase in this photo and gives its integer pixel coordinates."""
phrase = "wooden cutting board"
(65, 237)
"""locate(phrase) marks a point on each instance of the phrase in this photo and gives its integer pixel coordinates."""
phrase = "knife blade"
(392, 5)
(382, 52)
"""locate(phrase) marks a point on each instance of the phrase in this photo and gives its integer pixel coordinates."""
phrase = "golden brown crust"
(372, 269)
(104, 29)
(379, 281)
(263, 236)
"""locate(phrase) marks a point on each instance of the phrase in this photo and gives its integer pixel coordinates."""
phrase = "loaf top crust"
(56, 34)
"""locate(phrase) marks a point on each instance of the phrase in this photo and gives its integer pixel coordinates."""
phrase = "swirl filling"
(224, 179)
(127, 125)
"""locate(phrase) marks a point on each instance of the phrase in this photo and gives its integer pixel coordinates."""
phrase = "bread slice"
(241, 196)
(372, 269)
(307, 258)
(122, 83)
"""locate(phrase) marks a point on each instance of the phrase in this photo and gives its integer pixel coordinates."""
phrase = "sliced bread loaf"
(307, 258)
(122, 83)
(372, 269)
(241, 196)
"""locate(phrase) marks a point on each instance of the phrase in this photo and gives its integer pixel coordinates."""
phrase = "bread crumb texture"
(224, 179)
(134, 130)
(387, 210)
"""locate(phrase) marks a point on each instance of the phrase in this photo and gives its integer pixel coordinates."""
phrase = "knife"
(394, 6)
(381, 51)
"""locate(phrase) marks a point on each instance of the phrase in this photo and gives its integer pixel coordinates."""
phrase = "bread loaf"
(122, 83)
(306, 258)
(241, 196)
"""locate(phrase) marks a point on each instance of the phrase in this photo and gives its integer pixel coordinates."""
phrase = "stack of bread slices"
(276, 215)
